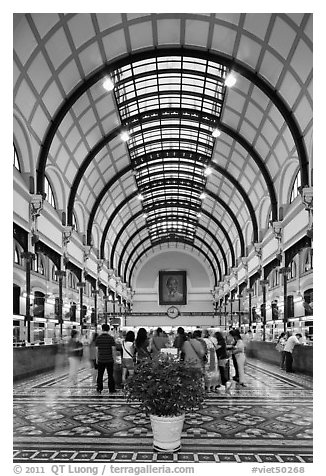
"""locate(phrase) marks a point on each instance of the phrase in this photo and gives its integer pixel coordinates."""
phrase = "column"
(28, 257)
(264, 283)
(231, 311)
(81, 285)
(95, 293)
(61, 275)
(239, 311)
(250, 292)
(284, 271)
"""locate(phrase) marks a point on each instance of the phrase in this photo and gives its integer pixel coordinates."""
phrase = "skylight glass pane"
(162, 101)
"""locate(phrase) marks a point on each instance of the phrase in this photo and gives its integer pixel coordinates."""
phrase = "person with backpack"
(195, 350)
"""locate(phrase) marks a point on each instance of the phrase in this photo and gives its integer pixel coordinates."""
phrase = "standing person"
(230, 344)
(75, 354)
(92, 356)
(223, 361)
(159, 341)
(142, 346)
(239, 352)
(105, 357)
(195, 351)
(179, 341)
(288, 350)
(212, 374)
(280, 347)
(128, 351)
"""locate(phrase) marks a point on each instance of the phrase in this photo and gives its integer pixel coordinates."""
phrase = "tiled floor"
(268, 421)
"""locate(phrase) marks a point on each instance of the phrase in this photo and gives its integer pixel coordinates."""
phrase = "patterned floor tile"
(55, 422)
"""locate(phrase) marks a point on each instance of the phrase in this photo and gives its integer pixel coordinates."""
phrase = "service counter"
(265, 351)
(32, 360)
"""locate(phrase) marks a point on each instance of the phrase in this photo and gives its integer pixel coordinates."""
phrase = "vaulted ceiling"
(203, 163)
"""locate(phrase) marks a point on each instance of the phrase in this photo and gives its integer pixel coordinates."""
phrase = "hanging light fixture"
(124, 136)
(230, 80)
(108, 84)
(140, 196)
(208, 171)
(202, 196)
(216, 132)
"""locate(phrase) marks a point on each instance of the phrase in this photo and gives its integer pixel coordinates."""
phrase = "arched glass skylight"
(170, 105)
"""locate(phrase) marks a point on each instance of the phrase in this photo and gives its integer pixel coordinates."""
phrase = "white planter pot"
(167, 432)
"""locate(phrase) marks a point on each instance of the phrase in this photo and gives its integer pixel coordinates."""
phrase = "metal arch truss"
(179, 240)
(139, 230)
(202, 53)
(172, 99)
(134, 194)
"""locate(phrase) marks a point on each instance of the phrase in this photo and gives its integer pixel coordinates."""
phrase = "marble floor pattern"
(270, 420)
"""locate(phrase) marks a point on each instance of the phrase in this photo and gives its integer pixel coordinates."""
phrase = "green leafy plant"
(165, 386)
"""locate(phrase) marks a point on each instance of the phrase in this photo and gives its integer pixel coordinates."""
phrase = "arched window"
(295, 187)
(40, 265)
(16, 256)
(16, 160)
(274, 280)
(293, 270)
(37, 265)
(270, 219)
(308, 263)
(49, 192)
(54, 276)
(72, 280)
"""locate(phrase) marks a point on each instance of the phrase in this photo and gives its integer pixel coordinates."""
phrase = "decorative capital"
(310, 233)
(87, 252)
(28, 256)
(258, 249)
(66, 234)
(61, 274)
(234, 273)
(263, 282)
(307, 197)
(36, 206)
(66, 259)
(244, 262)
(100, 264)
(277, 229)
(285, 270)
(111, 273)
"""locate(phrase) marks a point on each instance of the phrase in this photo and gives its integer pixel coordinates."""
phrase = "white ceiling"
(55, 53)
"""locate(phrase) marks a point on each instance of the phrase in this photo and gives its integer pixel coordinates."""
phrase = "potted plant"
(166, 388)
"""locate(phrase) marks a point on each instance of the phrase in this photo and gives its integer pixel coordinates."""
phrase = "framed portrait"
(172, 287)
